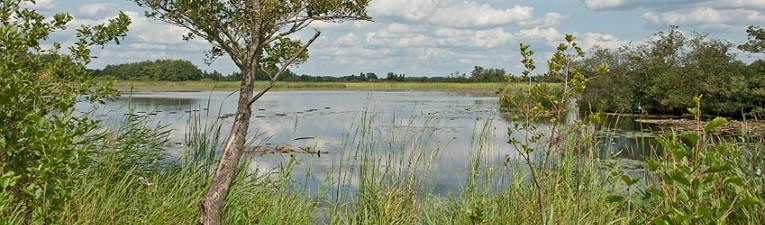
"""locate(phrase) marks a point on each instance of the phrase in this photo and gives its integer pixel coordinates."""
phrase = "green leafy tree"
(662, 74)
(756, 43)
(537, 145)
(42, 141)
(169, 70)
(255, 35)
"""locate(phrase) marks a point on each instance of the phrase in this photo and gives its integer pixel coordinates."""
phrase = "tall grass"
(380, 178)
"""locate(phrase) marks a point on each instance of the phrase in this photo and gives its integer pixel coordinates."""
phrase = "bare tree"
(255, 34)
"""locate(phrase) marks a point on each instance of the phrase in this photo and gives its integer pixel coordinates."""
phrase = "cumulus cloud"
(665, 4)
(707, 18)
(631, 4)
(589, 40)
(98, 10)
(347, 40)
(548, 34)
(474, 15)
(414, 10)
(398, 36)
(41, 5)
(147, 30)
(550, 19)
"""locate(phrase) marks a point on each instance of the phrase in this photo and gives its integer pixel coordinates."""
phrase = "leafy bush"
(697, 182)
(42, 141)
(662, 74)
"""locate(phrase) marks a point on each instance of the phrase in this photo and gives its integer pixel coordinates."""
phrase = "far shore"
(195, 86)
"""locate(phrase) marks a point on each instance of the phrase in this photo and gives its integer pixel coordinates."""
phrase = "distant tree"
(391, 76)
(372, 76)
(480, 74)
(255, 35)
(756, 43)
(168, 70)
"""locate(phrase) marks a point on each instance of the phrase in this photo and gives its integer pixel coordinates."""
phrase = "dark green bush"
(659, 76)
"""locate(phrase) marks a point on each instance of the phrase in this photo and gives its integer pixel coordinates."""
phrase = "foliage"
(537, 145)
(480, 74)
(697, 181)
(756, 43)
(169, 70)
(43, 141)
(659, 76)
(256, 36)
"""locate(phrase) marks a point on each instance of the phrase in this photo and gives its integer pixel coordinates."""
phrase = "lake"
(339, 123)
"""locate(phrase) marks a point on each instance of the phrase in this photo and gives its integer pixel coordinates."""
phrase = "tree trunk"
(212, 203)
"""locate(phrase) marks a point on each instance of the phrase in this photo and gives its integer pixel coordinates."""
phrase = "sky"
(434, 37)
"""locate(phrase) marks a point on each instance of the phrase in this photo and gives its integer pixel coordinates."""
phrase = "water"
(328, 121)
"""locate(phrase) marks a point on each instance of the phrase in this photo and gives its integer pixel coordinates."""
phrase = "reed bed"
(381, 177)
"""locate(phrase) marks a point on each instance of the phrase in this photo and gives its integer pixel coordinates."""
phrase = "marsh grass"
(380, 178)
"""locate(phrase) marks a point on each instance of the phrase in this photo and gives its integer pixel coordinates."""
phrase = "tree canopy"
(255, 35)
(661, 76)
(756, 43)
(166, 70)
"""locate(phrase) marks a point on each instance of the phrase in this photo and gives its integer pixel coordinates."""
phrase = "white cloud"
(404, 28)
(150, 31)
(631, 4)
(707, 18)
(474, 15)
(550, 19)
(491, 38)
(98, 10)
(751, 4)
(41, 5)
(548, 34)
(413, 10)
(591, 39)
(347, 40)
(666, 4)
(604, 4)
(465, 38)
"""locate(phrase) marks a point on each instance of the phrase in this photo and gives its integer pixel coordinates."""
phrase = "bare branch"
(303, 22)
(284, 68)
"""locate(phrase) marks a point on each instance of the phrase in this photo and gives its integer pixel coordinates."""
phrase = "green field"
(234, 85)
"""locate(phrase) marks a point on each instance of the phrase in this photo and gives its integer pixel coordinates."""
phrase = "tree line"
(183, 70)
(662, 75)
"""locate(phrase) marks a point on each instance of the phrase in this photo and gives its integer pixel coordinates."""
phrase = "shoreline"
(204, 86)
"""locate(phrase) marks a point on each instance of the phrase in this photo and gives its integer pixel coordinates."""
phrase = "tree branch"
(284, 68)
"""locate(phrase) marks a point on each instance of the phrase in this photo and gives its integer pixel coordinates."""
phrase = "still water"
(446, 124)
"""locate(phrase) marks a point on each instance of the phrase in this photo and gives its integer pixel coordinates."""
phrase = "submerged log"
(732, 127)
(285, 150)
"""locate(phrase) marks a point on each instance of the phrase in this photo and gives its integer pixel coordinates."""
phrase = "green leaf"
(664, 220)
(711, 125)
(614, 198)
(734, 180)
(693, 110)
(717, 169)
(725, 204)
(749, 201)
(692, 137)
(679, 177)
(630, 181)
(653, 165)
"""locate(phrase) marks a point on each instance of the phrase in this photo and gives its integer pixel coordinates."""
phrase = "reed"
(381, 177)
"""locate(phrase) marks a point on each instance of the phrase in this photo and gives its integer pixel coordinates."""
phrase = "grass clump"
(150, 190)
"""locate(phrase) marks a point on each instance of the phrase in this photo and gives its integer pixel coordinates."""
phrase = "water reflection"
(337, 121)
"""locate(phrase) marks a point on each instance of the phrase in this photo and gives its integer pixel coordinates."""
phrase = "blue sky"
(437, 37)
